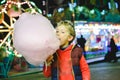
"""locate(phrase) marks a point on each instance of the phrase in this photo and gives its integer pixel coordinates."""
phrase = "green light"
(2, 2)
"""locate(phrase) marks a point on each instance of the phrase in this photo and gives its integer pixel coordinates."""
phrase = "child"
(68, 62)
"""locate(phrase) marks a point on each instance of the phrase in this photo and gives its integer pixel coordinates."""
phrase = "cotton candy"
(34, 37)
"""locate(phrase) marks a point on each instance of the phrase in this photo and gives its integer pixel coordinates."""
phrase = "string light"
(15, 3)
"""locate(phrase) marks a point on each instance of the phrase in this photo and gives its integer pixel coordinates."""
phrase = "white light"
(4, 10)
(103, 12)
(19, 5)
(3, 1)
(60, 9)
(92, 11)
(1, 26)
(80, 9)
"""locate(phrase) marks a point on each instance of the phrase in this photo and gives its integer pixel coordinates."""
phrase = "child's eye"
(57, 31)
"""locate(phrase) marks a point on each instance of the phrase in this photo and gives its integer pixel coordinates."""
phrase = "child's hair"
(69, 25)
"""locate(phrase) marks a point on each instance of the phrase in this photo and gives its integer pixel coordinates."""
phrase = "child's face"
(63, 35)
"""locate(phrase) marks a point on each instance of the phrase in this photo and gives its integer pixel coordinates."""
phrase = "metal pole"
(73, 14)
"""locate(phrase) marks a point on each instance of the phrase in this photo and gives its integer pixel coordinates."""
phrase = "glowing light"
(3, 1)
(16, 3)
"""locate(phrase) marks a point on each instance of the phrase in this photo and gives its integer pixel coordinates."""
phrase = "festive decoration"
(18, 4)
(94, 15)
(35, 38)
(11, 10)
(14, 11)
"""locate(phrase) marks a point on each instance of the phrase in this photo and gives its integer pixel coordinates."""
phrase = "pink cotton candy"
(35, 38)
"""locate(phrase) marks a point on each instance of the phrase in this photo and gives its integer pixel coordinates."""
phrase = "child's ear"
(70, 38)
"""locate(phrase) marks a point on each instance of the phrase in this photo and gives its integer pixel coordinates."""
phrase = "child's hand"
(49, 60)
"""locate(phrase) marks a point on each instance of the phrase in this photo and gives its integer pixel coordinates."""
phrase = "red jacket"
(66, 59)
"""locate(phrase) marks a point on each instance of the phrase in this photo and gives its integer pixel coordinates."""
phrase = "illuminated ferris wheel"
(9, 13)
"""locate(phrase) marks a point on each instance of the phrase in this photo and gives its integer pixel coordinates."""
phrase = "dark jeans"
(76, 70)
(54, 74)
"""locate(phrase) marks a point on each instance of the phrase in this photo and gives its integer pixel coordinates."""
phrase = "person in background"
(81, 41)
(113, 50)
(111, 54)
(68, 63)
